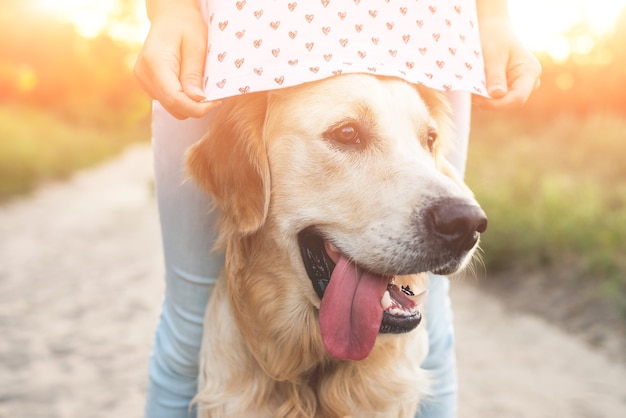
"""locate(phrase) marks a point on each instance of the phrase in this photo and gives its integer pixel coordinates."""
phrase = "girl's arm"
(512, 71)
(171, 63)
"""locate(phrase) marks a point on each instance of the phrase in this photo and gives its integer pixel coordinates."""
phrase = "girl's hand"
(171, 63)
(512, 71)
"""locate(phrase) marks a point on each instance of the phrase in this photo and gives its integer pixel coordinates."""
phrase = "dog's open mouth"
(356, 304)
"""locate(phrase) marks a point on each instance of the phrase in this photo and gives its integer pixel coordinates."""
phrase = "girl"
(174, 67)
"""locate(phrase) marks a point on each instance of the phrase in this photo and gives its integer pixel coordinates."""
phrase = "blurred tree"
(592, 79)
(46, 63)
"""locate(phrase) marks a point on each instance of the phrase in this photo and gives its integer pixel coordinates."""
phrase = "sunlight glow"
(26, 79)
(543, 25)
(91, 17)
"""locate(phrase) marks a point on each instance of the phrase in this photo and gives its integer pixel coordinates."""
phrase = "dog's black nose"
(457, 222)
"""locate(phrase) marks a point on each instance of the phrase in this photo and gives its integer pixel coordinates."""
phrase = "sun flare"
(91, 17)
(542, 24)
(545, 25)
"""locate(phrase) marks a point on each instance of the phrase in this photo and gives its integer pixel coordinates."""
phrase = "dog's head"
(347, 179)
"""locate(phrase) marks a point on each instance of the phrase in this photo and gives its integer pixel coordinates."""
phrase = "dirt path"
(80, 289)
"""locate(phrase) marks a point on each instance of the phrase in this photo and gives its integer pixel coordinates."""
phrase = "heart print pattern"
(265, 45)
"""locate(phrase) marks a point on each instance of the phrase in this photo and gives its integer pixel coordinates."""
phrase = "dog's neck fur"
(300, 379)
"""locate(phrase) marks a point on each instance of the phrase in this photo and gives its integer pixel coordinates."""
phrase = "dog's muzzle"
(454, 227)
(356, 304)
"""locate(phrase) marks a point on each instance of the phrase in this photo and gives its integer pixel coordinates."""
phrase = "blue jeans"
(191, 269)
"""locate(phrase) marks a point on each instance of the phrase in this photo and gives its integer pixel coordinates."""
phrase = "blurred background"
(68, 97)
(551, 177)
(80, 282)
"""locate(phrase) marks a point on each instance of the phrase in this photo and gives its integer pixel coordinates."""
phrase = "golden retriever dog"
(334, 200)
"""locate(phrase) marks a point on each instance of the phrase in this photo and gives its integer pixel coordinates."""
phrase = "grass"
(555, 194)
(36, 146)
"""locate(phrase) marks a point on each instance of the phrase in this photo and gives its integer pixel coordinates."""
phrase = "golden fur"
(272, 172)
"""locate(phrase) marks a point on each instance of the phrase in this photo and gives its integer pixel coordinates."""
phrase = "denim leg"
(441, 360)
(191, 268)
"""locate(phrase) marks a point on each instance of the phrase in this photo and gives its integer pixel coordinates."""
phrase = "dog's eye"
(347, 134)
(430, 141)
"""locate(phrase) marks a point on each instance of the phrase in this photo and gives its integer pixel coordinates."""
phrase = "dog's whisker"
(478, 261)
(476, 264)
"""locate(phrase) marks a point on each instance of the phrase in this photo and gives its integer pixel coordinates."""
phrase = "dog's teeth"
(386, 300)
(401, 312)
(392, 307)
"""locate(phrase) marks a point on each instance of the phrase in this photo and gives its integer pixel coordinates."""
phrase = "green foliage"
(36, 146)
(555, 194)
(66, 101)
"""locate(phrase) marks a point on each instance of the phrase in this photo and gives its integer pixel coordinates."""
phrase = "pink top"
(264, 45)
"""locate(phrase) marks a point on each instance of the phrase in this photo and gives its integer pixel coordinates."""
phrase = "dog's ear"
(230, 162)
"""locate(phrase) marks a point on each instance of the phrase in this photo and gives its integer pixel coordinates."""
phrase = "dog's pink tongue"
(351, 312)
